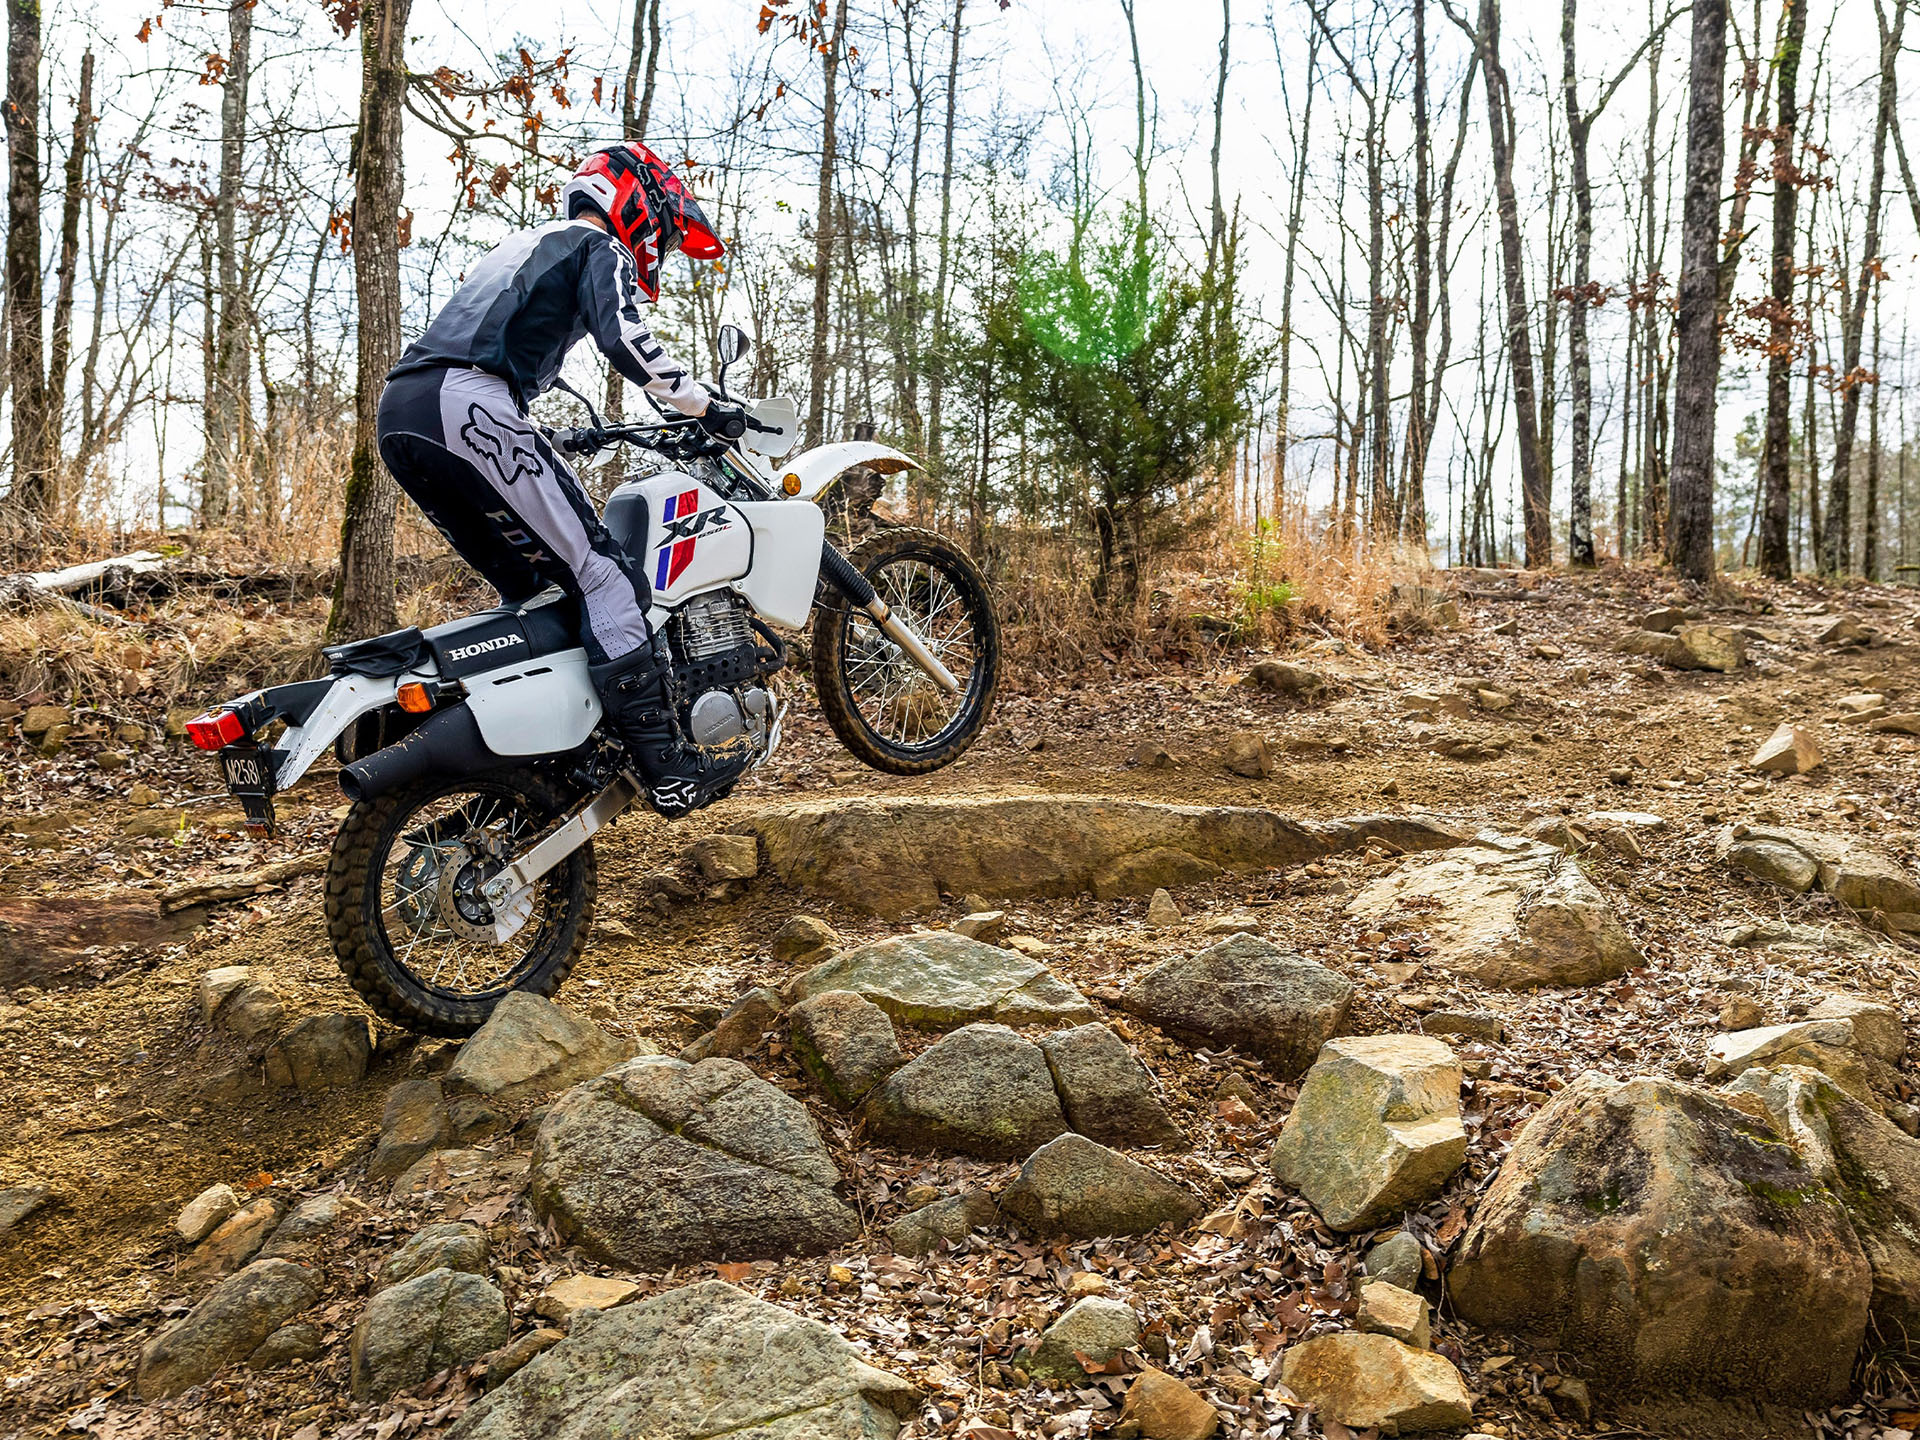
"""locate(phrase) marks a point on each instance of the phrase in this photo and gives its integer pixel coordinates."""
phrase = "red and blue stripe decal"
(675, 558)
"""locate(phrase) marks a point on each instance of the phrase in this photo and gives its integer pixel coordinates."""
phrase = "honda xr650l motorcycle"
(473, 752)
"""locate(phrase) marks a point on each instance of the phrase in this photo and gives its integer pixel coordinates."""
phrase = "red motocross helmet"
(646, 207)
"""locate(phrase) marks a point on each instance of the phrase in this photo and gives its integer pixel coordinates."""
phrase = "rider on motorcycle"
(454, 431)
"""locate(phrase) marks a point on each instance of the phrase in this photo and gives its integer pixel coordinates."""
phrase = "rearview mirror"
(732, 345)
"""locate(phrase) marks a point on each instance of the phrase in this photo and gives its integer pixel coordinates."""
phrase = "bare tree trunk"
(636, 108)
(226, 407)
(1217, 230)
(363, 594)
(32, 474)
(1870, 529)
(1296, 212)
(1836, 554)
(937, 377)
(1776, 550)
(1535, 484)
(636, 101)
(1697, 365)
(1414, 521)
(1580, 363)
(67, 266)
(823, 229)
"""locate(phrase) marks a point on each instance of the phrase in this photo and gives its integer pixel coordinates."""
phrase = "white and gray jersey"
(534, 298)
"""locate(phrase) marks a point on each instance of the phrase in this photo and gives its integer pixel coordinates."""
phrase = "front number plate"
(249, 774)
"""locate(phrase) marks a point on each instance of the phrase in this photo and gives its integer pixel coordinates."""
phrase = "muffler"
(447, 742)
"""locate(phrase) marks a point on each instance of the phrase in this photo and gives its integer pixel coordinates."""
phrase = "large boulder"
(983, 1090)
(531, 1047)
(1874, 1168)
(322, 1052)
(1095, 1327)
(1368, 1381)
(229, 1325)
(413, 1124)
(1689, 647)
(846, 1042)
(1076, 1187)
(701, 1361)
(238, 1238)
(659, 1162)
(1247, 993)
(1505, 912)
(936, 979)
(449, 1245)
(1376, 1129)
(1673, 1242)
(946, 1221)
(1108, 1094)
(894, 856)
(1825, 1045)
(1877, 1028)
(412, 1331)
(1856, 875)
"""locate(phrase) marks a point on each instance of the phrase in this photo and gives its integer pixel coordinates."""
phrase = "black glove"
(723, 422)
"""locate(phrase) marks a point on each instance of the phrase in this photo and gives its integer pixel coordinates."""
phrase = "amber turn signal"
(790, 483)
(414, 699)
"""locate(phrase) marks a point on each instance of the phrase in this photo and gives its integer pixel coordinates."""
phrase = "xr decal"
(507, 447)
(685, 522)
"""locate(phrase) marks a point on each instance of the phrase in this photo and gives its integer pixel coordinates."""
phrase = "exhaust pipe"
(445, 743)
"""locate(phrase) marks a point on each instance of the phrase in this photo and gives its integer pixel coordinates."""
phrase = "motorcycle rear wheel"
(407, 923)
(885, 709)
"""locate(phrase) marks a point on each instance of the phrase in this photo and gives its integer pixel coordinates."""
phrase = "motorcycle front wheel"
(885, 708)
(409, 925)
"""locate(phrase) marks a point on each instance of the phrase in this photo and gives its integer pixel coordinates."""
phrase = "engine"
(724, 667)
(712, 624)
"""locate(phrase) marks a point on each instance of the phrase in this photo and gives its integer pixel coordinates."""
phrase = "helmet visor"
(697, 240)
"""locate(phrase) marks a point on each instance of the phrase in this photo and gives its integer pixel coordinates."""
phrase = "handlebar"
(668, 434)
(683, 436)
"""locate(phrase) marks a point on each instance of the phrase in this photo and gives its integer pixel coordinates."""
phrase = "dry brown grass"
(1224, 585)
(254, 595)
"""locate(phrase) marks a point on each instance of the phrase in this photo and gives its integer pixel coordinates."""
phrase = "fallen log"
(114, 575)
(77, 577)
(240, 887)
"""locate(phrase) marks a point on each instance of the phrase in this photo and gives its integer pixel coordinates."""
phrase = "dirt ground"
(126, 1105)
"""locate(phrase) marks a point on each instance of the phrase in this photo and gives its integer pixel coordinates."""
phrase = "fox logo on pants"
(502, 444)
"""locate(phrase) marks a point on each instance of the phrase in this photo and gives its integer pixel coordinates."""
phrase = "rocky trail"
(1500, 1033)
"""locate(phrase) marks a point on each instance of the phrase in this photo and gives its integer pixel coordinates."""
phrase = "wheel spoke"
(433, 867)
(896, 701)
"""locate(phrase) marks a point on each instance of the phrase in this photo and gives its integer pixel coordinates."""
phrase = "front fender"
(820, 467)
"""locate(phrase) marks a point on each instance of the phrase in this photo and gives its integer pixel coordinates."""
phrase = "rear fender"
(350, 697)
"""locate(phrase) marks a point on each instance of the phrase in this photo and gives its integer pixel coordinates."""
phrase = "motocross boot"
(636, 693)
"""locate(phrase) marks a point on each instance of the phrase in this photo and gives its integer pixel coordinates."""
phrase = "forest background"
(1256, 284)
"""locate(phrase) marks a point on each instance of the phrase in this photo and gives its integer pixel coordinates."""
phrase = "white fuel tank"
(696, 538)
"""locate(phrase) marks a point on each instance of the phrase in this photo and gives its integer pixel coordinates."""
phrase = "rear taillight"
(215, 730)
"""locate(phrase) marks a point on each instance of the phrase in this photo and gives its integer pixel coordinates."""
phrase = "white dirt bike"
(473, 752)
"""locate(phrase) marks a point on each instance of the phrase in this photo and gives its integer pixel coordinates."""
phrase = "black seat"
(505, 634)
(484, 641)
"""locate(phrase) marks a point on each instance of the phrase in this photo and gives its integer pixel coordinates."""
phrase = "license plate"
(249, 776)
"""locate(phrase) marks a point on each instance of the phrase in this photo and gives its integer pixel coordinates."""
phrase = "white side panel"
(786, 559)
(351, 697)
(537, 707)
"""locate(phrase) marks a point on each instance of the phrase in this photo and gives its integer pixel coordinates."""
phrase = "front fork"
(841, 573)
